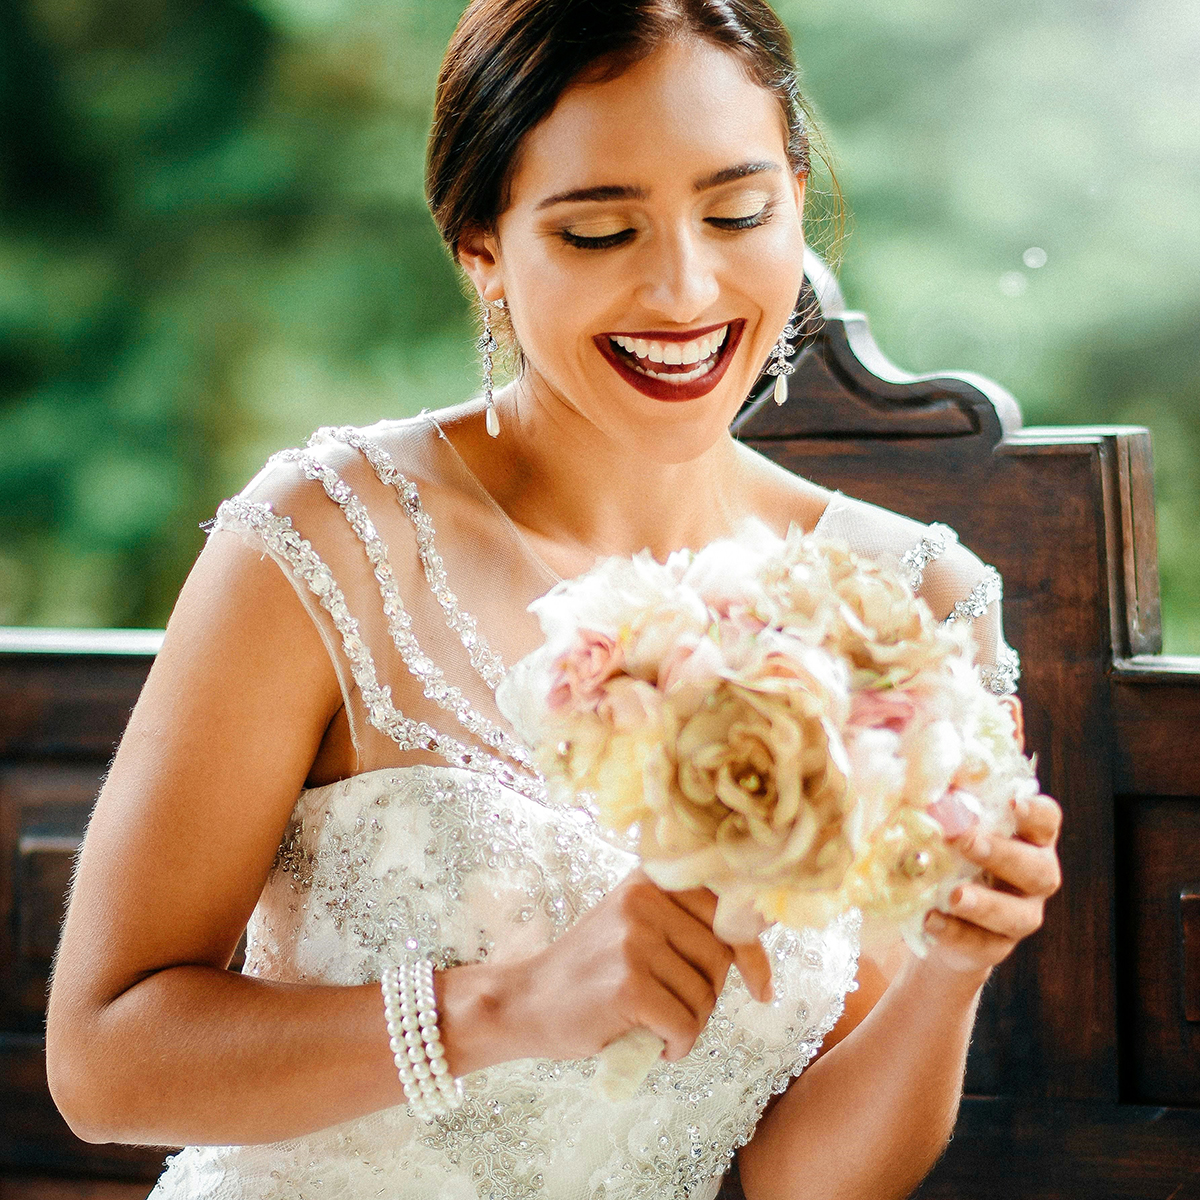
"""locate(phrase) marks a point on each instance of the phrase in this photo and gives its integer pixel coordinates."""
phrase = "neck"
(581, 491)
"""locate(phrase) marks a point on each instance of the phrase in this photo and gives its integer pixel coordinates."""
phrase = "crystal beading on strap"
(1001, 677)
(988, 590)
(488, 664)
(279, 536)
(932, 546)
(423, 668)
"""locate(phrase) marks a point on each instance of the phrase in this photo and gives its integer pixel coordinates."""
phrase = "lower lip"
(663, 389)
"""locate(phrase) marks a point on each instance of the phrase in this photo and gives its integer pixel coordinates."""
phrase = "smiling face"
(652, 248)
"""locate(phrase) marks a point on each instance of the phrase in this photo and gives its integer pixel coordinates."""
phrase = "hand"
(643, 957)
(982, 923)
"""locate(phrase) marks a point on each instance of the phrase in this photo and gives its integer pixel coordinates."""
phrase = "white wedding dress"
(443, 843)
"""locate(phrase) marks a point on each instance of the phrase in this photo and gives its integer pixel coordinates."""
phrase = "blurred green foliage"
(213, 239)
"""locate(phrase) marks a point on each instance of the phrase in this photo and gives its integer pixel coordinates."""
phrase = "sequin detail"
(486, 661)
(936, 541)
(280, 537)
(420, 665)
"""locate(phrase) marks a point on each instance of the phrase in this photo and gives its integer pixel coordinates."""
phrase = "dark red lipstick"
(663, 389)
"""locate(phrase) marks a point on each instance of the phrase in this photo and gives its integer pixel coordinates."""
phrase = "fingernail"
(935, 922)
(956, 896)
(982, 846)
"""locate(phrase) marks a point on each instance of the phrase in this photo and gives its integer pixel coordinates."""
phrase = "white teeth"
(675, 353)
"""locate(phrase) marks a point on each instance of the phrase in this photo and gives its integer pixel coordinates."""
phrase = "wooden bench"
(1084, 1074)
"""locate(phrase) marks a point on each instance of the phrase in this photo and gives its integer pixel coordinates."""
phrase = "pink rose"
(882, 710)
(579, 674)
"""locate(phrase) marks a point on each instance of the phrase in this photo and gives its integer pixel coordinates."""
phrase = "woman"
(622, 185)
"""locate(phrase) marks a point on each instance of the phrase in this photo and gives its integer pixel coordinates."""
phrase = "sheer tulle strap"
(430, 676)
(488, 664)
(281, 538)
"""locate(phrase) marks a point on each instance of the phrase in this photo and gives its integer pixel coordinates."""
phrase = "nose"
(679, 280)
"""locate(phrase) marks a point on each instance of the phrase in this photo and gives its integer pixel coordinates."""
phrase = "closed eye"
(595, 243)
(750, 221)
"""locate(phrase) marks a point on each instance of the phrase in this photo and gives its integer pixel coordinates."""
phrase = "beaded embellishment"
(937, 540)
(486, 661)
(279, 536)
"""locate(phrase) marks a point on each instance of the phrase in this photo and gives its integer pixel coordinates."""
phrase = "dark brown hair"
(510, 60)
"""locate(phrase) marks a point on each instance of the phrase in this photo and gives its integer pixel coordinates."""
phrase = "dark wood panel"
(1159, 862)
(67, 706)
(51, 1187)
(43, 816)
(33, 1135)
(1156, 710)
(57, 1187)
(1008, 1150)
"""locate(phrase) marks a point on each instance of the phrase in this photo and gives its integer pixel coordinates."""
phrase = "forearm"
(868, 1120)
(193, 1055)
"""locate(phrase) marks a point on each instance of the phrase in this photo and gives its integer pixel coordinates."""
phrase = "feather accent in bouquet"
(776, 719)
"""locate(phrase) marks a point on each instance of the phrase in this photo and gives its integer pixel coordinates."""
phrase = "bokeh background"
(213, 239)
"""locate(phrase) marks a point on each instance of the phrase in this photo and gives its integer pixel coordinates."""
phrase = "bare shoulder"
(780, 497)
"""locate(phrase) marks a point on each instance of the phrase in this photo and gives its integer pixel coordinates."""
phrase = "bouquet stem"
(623, 1065)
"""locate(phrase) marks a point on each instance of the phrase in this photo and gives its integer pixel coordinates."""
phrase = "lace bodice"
(445, 843)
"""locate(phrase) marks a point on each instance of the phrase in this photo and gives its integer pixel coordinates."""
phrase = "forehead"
(685, 111)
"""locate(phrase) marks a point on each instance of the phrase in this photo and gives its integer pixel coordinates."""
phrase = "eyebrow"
(612, 191)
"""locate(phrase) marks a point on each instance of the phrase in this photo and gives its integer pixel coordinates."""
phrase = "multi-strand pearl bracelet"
(411, 1014)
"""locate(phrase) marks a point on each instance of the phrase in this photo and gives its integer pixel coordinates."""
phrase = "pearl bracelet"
(411, 1013)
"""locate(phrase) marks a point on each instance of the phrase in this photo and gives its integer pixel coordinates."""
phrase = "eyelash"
(728, 224)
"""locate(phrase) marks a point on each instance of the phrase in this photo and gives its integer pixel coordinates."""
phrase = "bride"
(317, 750)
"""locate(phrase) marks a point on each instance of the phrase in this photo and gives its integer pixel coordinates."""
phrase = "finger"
(693, 939)
(700, 902)
(966, 946)
(656, 1007)
(1030, 869)
(752, 962)
(755, 969)
(1039, 820)
(1009, 916)
(685, 983)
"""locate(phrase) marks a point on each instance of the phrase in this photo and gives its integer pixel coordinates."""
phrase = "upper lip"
(662, 335)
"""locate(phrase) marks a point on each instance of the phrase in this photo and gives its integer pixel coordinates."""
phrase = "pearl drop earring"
(780, 364)
(487, 346)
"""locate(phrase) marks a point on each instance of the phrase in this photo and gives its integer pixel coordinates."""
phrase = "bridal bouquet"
(777, 720)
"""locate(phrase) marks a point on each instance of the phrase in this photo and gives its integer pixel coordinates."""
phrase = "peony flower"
(759, 781)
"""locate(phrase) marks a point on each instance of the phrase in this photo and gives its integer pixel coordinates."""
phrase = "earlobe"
(479, 257)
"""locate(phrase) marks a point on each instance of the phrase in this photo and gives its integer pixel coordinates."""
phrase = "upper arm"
(215, 754)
